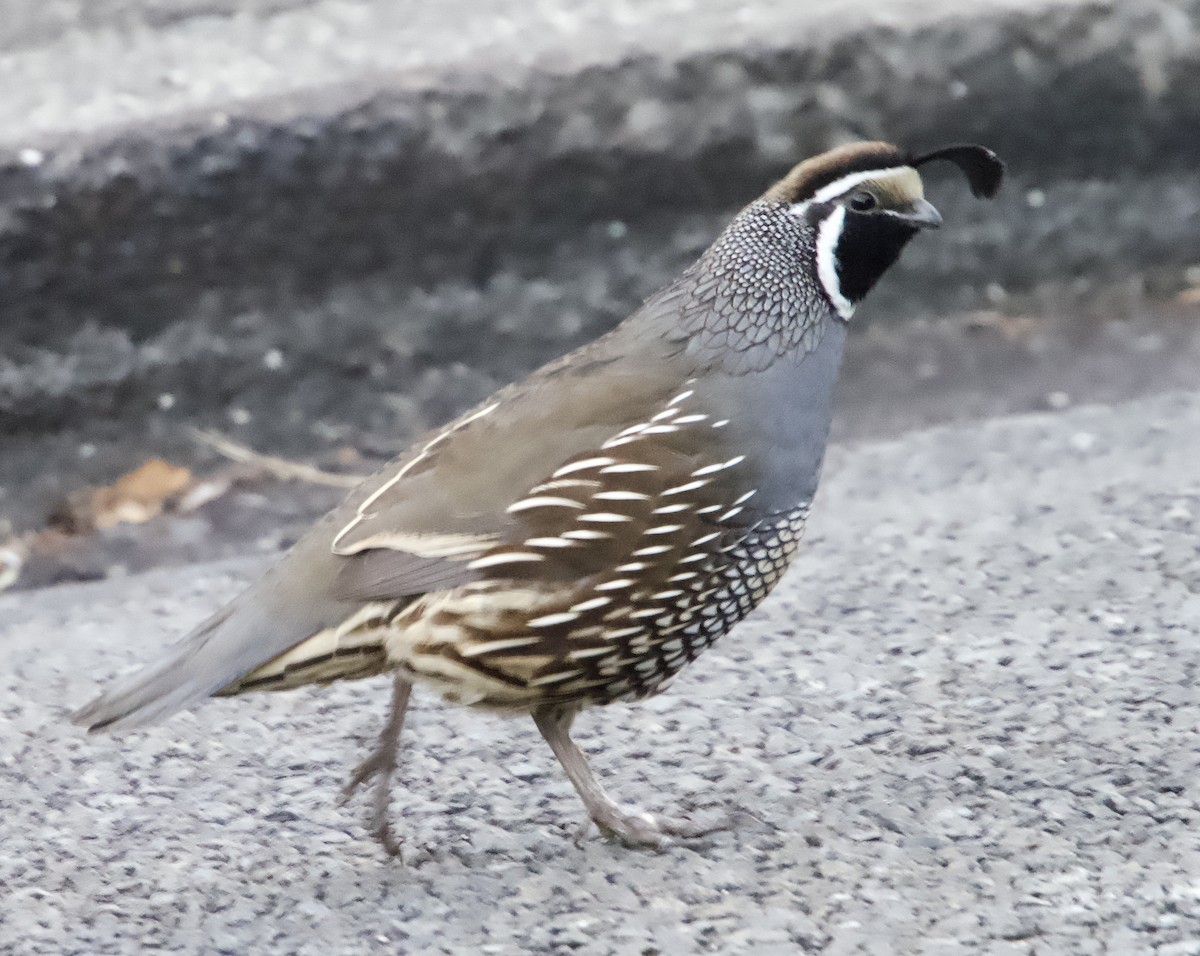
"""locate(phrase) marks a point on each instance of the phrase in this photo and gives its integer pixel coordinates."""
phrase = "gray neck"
(754, 296)
(793, 407)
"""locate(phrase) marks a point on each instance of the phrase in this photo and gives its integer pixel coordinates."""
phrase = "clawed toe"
(381, 830)
(636, 830)
(691, 829)
(362, 774)
(645, 830)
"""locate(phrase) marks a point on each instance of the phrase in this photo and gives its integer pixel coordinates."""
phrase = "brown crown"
(813, 174)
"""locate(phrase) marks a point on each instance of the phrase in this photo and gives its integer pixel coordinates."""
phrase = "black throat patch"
(866, 249)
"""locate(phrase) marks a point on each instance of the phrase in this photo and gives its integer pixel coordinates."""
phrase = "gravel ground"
(967, 724)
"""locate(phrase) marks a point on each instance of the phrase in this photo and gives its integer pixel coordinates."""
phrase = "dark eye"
(862, 201)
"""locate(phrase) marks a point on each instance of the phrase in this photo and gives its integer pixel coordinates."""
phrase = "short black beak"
(921, 214)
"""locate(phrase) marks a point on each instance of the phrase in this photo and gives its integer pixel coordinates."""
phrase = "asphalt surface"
(967, 723)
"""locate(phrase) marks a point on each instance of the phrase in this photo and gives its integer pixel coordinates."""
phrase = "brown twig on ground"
(277, 467)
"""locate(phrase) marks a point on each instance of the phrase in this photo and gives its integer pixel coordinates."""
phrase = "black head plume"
(983, 168)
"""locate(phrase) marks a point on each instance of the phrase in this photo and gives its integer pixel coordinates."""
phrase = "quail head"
(584, 534)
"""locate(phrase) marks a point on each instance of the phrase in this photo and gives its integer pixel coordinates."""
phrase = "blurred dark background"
(313, 229)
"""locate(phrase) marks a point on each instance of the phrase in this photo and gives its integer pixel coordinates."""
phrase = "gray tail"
(162, 688)
(233, 642)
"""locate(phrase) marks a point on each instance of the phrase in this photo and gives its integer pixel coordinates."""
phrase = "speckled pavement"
(967, 723)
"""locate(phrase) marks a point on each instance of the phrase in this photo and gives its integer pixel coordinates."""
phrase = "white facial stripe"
(839, 186)
(828, 234)
(846, 183)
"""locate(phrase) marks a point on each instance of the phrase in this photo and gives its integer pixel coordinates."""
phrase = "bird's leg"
(631, 826)
(382, 762)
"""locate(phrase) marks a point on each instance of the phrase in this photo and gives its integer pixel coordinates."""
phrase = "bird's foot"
(637, 829)
(381, 763)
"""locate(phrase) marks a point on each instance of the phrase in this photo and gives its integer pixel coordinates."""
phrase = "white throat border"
(828, 233)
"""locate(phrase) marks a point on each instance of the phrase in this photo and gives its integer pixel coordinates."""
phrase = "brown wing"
(628, 560)
(429, 520)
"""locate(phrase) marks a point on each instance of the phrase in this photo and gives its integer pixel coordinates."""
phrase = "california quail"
(585, 533)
